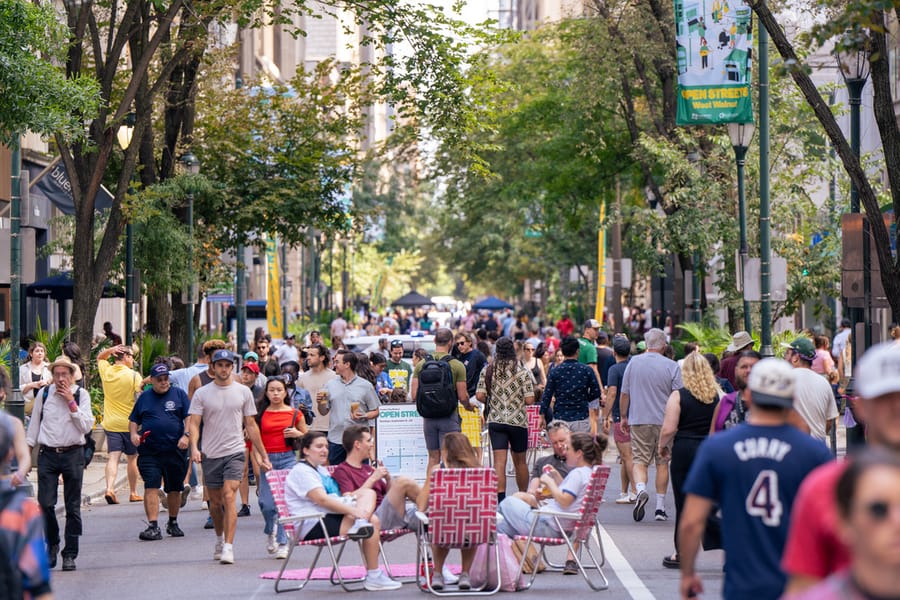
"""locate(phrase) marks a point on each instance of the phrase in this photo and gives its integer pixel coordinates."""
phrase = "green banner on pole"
(713, 52)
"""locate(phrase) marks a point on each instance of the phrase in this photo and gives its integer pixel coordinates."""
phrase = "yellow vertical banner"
(601, 265)
(273, 288)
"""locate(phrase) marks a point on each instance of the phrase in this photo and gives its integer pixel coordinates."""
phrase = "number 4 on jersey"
(763, 502)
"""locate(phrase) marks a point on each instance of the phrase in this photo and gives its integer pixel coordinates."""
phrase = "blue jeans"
(518, 517)
(279, 460)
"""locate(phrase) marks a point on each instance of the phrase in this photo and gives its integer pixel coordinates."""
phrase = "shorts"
(171, 466)
(594, 404)
(582, 426)
(505, 436)
(436, 429)
(216, 471)
(620, 436)
(332, 527)
(644, 441)
(120, 441)
(391, 519)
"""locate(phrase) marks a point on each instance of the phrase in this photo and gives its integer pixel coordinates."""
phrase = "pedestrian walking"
(280, 427)
(121, 384)
(507, 387)
(224, 408)
(22, 543)
(753, 472)
(58, 426)
(815, 547)
(158, 429)
(649, 380)
(689, 413)
(573, 386)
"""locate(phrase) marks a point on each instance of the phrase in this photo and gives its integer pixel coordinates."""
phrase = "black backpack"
(436, 396)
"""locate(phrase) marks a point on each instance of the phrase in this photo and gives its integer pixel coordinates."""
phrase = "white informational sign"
(401, 443)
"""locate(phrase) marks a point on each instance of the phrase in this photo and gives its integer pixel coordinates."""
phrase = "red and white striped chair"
(579, 537)
(462, 513)
(276, 479)
(537, 437)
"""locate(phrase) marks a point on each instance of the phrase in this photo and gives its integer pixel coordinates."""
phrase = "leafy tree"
(164, 44)
(36, 96)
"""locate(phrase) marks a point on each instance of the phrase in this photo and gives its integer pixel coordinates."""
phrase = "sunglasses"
(879, 510)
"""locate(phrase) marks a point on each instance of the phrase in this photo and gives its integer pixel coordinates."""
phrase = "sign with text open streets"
(713, 51)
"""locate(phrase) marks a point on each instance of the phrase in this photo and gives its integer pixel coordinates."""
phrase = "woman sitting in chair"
(456, 453)
(515, 513)
(309, 489)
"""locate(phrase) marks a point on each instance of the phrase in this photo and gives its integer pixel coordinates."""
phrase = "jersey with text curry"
(753, 473)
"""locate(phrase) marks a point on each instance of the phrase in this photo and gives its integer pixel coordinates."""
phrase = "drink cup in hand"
(354, 410)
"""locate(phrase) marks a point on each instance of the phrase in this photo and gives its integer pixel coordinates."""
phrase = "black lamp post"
(124, 135)
(741, 134)
(854, 67)
(191, 165)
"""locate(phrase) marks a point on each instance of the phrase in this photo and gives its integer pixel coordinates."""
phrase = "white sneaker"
(197, 493)
(624, 498)
(272, 543)
(217, 553)
(227, 556)
(380, 582)
(448, 576)
(361, 530)
(282, 552)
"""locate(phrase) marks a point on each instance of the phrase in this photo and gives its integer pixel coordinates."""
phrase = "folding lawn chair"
(585, 523)
(462, 513)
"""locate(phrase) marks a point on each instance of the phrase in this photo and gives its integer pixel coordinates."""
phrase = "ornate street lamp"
(124, 135)
(741, 134)
(853, 64)
(191, 165)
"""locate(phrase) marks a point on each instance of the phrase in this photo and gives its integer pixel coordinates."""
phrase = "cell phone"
(145, 435)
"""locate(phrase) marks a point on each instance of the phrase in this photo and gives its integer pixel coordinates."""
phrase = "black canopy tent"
(60, 287)
(412, 300)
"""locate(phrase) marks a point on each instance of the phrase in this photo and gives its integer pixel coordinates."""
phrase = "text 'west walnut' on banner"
(714, 41)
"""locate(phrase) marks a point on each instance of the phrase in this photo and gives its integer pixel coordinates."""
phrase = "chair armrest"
(557, 513)
(422, 517)
(303, 517)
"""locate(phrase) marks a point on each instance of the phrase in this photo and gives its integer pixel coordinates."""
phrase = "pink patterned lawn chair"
(276, 479)
(537, 439)
(462, 513)
(579, 536)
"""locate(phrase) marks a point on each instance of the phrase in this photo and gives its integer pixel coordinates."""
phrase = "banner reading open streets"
(713, 44)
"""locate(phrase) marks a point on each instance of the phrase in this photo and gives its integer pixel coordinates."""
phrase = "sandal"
(671, 562)
(111, 498)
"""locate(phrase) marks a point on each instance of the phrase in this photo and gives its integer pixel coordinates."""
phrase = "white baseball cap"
(771, 383)
(878, 371)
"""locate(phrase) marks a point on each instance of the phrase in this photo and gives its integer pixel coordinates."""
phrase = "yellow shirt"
(120, 384)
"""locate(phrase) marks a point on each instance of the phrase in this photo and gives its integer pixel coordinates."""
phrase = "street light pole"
(765, 249)
(15, 404)
(741, 134)
(124, 136)
(854, 68)
(192, 165)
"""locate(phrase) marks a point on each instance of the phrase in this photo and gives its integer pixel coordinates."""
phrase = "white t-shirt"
(299, 483)
(287, 353)
(223, 409)
(575, 484)
(814, 400)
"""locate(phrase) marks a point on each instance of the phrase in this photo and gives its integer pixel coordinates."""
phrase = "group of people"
(738, 436)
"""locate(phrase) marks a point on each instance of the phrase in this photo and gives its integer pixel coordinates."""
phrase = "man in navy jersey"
(753, 472)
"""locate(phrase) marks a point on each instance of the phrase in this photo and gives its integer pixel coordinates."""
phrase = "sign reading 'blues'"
(713, 49)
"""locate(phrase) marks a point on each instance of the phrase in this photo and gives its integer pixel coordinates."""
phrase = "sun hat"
(739, 340)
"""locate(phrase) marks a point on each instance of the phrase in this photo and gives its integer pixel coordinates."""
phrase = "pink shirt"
(823, 363)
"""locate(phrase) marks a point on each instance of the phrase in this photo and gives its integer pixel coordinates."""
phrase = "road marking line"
(625, 574)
